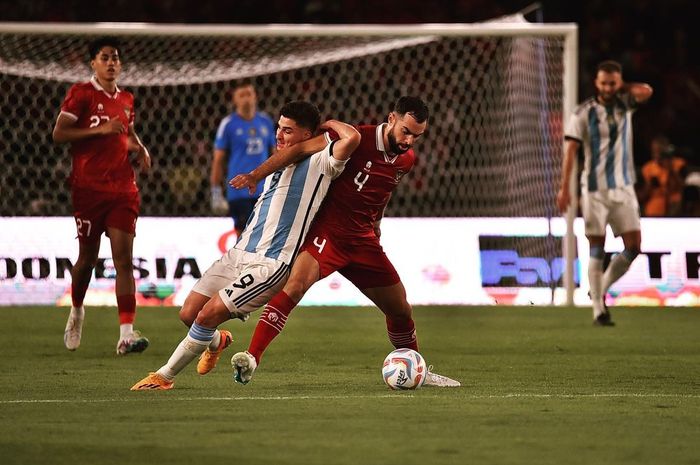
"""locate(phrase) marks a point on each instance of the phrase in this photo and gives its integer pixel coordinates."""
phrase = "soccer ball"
(404, 369)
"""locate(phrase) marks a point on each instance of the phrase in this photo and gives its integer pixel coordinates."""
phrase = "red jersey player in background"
(97, 119)
(345, 236)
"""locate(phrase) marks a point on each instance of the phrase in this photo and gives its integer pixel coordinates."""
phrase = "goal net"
(493, 147)
(496, 94)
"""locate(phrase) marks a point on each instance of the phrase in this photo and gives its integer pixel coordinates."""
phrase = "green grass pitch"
(540, 386)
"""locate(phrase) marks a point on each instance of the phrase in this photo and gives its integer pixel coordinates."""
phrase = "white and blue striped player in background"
(602, 125)
(257, 267)
(244, 140)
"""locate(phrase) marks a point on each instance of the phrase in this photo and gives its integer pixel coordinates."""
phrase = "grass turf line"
(540, 385)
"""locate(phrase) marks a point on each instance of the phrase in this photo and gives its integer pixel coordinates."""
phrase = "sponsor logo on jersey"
(368, 166)
(127, 112)
(100, 107)
(252, 132)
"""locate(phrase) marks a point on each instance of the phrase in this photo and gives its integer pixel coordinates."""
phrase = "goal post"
(499, 93)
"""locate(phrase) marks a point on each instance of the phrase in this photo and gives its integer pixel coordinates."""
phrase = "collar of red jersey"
(380, 144)
(96, 85)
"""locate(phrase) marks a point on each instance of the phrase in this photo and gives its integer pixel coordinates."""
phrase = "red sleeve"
(332, 134)
(74, 102)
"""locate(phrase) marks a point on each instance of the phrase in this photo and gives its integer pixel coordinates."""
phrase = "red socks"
(77, 294)
(127, 308)
(270, 324)
(402, 333)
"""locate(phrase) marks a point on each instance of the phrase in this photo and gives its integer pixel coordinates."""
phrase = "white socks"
(595, 281)
(618, 267)
(192, 346)
(78, 312)
(186, 351)
(125, 331)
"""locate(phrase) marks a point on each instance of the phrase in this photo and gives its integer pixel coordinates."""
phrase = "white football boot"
(244, 366)
(433, 379)
(132, 344)
(74, 328)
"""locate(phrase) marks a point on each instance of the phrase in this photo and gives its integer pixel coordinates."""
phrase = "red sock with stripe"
(402, 333)
(127, 308)
(270, 324)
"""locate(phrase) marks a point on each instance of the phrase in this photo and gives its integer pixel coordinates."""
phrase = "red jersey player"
(345, 236)
(97, 119)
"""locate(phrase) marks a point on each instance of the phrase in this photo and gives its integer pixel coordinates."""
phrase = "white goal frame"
(524, 29)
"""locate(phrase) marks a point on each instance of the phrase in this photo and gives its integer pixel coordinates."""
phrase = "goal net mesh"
(492, 148)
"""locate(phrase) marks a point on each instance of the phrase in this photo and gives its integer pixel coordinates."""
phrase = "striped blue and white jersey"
(605, 133)
(290, 199)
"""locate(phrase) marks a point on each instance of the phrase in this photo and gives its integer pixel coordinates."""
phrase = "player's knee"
(84, 264)
(213, 314)
(123, 264)
(631, 252)
(187, 316)
(295, 289)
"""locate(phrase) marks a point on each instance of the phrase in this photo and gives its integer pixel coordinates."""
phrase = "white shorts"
(617, 207)
(245, 281)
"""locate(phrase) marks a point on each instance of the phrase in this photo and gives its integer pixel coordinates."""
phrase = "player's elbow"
(58, 136)
(643, 92)
(354, 139)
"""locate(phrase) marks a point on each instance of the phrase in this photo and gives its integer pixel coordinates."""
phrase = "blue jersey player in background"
(244, 139)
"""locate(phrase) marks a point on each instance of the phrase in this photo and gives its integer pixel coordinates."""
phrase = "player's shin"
(191, 347)
(595, 279)
(270, 324)
(402, 332)
(617, 268)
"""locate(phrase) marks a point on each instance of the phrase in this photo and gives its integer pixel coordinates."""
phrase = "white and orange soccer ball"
(404, 369)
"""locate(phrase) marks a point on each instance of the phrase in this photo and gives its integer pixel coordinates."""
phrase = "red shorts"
(361, 260)
(95, 211)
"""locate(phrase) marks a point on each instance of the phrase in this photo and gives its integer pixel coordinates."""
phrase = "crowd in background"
(652, 39)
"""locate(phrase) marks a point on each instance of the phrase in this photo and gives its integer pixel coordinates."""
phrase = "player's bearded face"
(395, 147)
(608, 85)
(403, 132)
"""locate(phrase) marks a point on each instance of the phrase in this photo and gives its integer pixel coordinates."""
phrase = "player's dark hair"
(609, 66)
(413, 106)
(305, 114)
(242, 83)
(96, 45)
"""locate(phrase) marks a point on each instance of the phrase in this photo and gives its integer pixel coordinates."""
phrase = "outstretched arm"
(277, 161)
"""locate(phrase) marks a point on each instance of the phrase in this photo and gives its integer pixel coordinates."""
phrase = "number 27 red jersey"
(358, 197)
(100, 163)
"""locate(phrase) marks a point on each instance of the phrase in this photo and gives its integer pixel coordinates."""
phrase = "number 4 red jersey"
(100, 163)
(358, 197)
